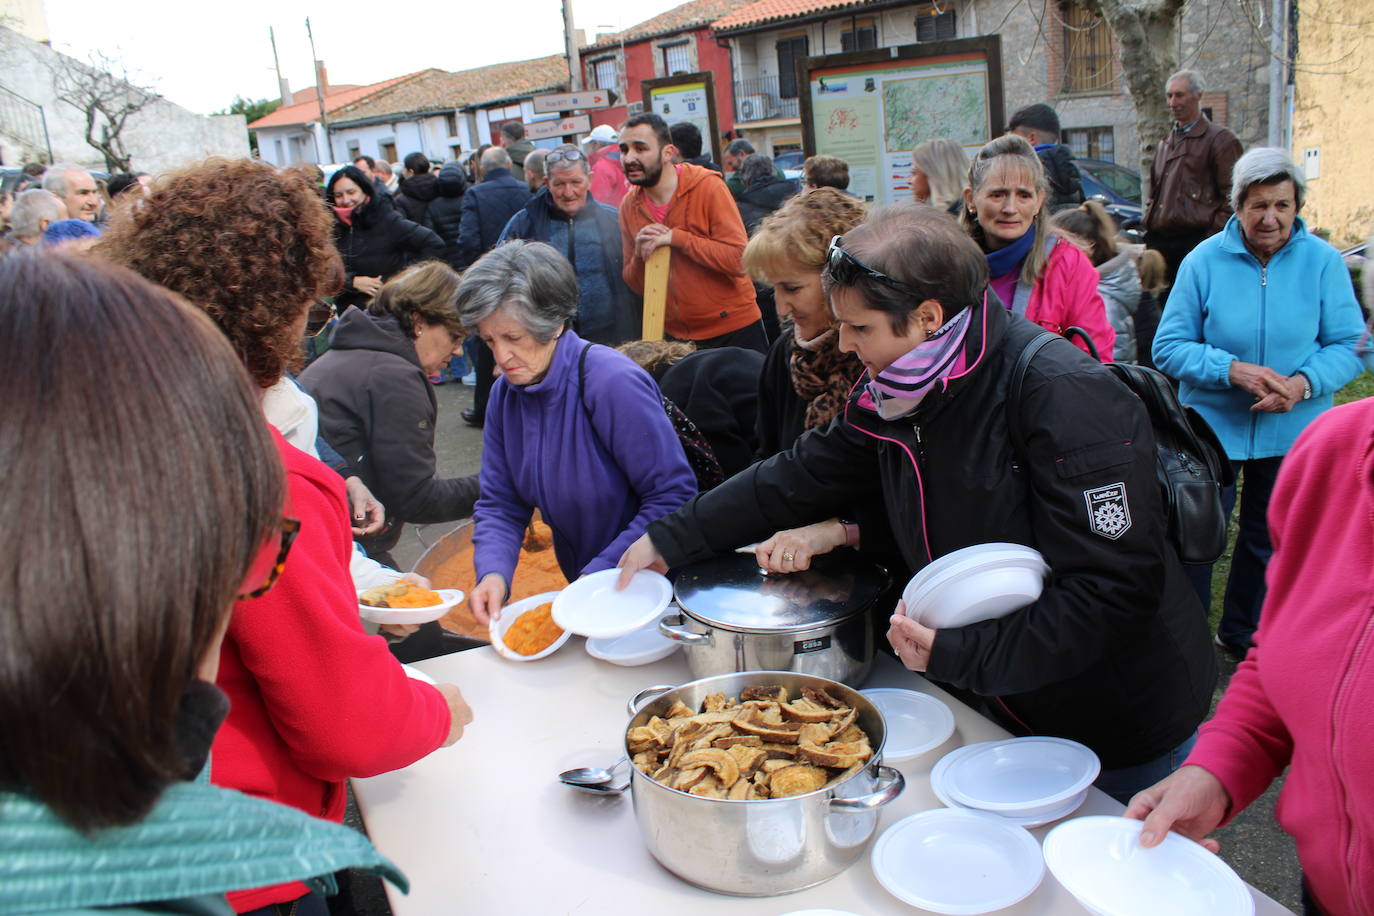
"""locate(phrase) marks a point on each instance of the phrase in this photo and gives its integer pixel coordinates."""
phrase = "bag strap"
(1075, 331)
(1018, 379)
(582, 394)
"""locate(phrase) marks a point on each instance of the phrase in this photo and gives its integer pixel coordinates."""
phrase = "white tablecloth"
(484, 827)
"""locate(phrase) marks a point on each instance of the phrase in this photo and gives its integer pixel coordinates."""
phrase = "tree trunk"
(1147, 32)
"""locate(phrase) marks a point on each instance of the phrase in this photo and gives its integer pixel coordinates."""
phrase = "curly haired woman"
(314, 699)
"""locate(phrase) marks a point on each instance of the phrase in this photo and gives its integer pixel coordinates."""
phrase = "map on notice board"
(952, 105)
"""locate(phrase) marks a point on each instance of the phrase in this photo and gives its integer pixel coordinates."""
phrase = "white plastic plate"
(958, 559)
(1022, 777)
(1101, 862)
(959, 862)
(593, 607)
(641, 647)
(498, 627)
(417, 674)
(916, 722)
(937, 786)
(452, 598)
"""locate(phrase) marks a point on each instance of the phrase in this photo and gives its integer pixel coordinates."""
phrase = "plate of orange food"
(525, 631)
(406, 602)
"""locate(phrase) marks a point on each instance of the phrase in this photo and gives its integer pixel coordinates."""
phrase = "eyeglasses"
(846, 270)
(563, 155)
(290, 527)
(319, 316)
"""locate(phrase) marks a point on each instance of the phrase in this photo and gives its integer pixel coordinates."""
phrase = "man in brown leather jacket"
(1190, 179)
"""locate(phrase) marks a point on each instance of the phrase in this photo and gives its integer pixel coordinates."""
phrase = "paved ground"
(1253, 844)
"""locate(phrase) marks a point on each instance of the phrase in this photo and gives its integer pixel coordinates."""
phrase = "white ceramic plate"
(937, 785)
(916, 722)
(948, 860)
(498, 627)
(593, 607)
(956, 559)
(452, 598)
(1023, 777)
(417, 674)
(1101, 862)
(641, 647)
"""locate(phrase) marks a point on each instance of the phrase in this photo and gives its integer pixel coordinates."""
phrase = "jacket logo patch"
(1109, 514)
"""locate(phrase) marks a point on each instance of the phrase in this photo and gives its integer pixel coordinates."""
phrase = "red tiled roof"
(691, 15)
(305, 112)
(436, 90)
(765, 11)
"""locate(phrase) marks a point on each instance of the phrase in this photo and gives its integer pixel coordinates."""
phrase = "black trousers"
(750, 337)
(486, 372)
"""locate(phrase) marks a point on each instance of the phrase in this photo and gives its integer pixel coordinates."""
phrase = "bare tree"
(1147, 32)
(104, 92)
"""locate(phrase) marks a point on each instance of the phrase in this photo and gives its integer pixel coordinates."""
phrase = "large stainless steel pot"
(767, 846)
(736, 618)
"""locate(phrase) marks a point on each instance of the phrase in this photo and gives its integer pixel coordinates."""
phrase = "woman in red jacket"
(1303, 699)
(314, 699)
(1034, 273)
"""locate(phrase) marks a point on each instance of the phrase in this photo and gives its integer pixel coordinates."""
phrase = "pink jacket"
(1066, 296)
(1304, 697)
(609, 185)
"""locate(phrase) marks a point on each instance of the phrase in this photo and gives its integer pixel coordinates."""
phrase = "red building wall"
(639, 66)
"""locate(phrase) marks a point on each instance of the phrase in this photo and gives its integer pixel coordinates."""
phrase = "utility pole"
(282, 86)
(1278, 66)
(319, 92)
(570, 39)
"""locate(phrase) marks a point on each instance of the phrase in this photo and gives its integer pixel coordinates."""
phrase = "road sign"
(544, 130)
(573, 101)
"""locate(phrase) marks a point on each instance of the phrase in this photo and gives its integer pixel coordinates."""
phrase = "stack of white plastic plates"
(1028, 781)
(916, 722)
(1101, 862)
(961, 862)
(593, 607)
(639, 647)
(974, 584)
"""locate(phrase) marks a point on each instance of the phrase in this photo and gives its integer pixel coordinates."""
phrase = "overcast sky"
(200, 55)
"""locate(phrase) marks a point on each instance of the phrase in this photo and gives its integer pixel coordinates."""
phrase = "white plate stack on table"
(639, 647)
(974, 584)
(1101, 862)
(593, 607)
(1027, 781)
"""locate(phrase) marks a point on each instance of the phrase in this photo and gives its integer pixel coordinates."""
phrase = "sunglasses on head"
(846, 270)
(566, 155)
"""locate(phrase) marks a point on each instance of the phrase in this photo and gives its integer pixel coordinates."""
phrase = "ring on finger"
(788, 557)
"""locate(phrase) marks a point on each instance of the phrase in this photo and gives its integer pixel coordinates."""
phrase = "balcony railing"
(760, 99)
(24, 120)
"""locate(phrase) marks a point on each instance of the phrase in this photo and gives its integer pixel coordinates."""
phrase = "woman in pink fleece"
(1304, 696)
(1033, 271)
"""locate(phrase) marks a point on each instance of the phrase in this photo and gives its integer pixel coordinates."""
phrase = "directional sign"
(544, 130)
(573, 101)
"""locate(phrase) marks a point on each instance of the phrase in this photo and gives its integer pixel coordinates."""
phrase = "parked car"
(790, 162)
(1117, 188)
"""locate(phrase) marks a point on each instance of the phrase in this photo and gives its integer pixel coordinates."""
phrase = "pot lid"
(732, 593)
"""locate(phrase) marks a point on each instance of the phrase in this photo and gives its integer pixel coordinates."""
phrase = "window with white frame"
(604, 73)
(677, 58)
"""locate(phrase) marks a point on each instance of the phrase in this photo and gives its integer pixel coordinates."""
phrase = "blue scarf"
(1004, 260)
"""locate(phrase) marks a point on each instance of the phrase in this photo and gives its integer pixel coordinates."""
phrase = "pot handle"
(638, 701)
(677, 634)
(889, 785)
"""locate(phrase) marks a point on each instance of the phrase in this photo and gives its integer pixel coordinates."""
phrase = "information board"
(871, 108)
(686, 97)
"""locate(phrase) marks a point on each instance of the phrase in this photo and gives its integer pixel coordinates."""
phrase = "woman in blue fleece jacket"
(1260, 331)
(574, 429)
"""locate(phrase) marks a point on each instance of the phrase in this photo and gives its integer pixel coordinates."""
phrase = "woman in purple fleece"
(572, 428)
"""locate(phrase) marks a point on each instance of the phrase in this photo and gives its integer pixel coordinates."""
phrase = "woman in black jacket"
(378, 410)
(1115, 652)
(375, 241)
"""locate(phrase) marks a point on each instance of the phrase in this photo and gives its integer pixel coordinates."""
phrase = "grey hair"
(531, 279)
(1018, 147)
(737, 147)
(945, 165)
(496, 158)
(534, 162)
(580, 162)
(1195, 82)
(757, 169)
(1266, 165)
(31, 207)
(55, 178)
(922, 248)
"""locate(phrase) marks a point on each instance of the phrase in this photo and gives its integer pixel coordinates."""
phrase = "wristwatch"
(1306, 386)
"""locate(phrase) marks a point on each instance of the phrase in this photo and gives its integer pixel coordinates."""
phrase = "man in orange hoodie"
(710, 300)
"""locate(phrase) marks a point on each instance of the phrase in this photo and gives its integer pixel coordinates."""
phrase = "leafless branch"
(107, 96)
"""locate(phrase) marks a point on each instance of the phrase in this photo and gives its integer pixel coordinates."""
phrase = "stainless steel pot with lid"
(734, 617)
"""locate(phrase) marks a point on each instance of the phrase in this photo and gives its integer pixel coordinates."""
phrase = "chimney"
(322, 78)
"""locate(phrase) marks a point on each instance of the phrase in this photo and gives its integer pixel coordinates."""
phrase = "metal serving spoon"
(595, 779)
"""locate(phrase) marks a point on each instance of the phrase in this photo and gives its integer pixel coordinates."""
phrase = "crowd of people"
(835, 376)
